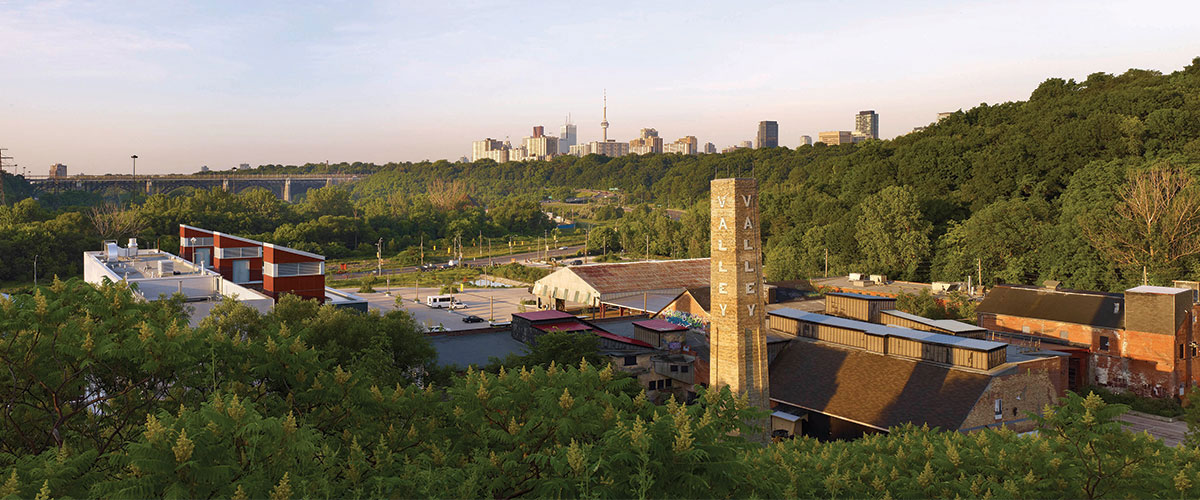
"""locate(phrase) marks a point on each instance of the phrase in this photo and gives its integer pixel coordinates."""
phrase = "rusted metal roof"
(543, 315)
(643, 276)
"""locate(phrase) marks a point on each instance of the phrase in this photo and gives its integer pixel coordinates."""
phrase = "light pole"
(35, 257)
(134, 157)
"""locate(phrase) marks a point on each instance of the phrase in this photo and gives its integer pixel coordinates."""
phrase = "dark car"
(473, 319)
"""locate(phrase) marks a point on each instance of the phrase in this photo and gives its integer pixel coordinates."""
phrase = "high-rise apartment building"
(648, 142)
(567, 136)
(866, 124)
(58, 170)
(489, 148)
(836, 137)
(540, 146)
(710, 148)
(768, 134)
(746, 144)
(944, 115)
(806, 140)
(685, 145)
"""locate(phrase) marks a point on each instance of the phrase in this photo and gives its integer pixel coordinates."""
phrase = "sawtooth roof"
(1101, 309)
(873, 389)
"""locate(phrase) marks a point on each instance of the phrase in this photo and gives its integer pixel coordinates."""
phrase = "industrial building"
(213, 266)
(841, 378)
(1142, 341)
(621, 288)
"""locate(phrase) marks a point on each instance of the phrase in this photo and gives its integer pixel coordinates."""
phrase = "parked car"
(437, 328)
(473, 319)
(576, 262)
(562, 248)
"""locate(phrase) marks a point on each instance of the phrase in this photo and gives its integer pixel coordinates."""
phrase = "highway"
(476, 262)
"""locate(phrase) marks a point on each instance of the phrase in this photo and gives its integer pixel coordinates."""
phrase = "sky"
(216, 83)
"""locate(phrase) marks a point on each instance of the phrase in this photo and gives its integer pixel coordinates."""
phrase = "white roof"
(293, 250)
(1160, 290)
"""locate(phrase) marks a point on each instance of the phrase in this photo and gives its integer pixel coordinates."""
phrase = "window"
(999, 404)
(1181, 351)
(1014, 411)
(1103, 343)
(652, 385)
(195, 242)
(674, 368)
(684, 369)
(630, 360)
(285, 270)
(667, 382)
(239, 252)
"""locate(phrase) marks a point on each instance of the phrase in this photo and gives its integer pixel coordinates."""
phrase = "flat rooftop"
(145, 265)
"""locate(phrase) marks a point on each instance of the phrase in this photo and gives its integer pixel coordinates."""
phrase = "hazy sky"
(222, 83)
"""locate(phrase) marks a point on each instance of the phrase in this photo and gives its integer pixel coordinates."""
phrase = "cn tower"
(604, 124)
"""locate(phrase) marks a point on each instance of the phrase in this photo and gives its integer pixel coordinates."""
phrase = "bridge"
(283, 186)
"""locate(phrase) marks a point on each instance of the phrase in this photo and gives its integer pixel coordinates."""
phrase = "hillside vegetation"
(1048, 188)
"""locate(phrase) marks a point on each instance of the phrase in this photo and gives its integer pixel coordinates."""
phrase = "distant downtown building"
(806, 140)
(492, 149)
(710, 148)
(540, 146)
(568, 136)
(648, 142)
(684, 145)
(58, 170)
(944, 115)
(866, 124)
(768, 134)
(836, 137)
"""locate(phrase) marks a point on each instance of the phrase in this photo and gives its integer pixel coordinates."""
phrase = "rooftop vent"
(1051, 284)
(856, 277)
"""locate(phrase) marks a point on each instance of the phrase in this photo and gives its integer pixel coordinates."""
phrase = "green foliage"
(110, 397)
(518, 272)
(1165, 407)
(892, 234)
(368, 284)
(561, 348)
(922, 304)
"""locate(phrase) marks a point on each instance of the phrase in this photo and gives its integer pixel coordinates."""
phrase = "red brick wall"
(225, 266)
(188, 252)
(305, 286)
(1028, 390)
(1140, 362)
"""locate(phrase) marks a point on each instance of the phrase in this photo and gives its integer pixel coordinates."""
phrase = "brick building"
(841, 378)
(1142, 341)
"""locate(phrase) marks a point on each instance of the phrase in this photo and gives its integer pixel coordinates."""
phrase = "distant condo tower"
(768, 135)
(866, 124)
(604, 124)
(806, 140)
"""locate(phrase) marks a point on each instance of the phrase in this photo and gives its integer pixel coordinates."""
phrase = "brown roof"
(873, 389)
(702, 295)
(1068, 306)
(649, 275)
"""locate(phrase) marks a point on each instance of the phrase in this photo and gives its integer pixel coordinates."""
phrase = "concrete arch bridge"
(284, 186)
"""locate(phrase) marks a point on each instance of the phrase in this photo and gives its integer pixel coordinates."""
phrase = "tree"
(1156, 224)
(893, 237)
(111, 221)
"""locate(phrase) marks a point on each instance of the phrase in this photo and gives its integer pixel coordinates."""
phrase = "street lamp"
(134, 157)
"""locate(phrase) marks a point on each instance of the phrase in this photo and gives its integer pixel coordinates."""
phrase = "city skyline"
(183, 85)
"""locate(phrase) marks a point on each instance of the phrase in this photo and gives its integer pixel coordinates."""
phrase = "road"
(496, 303)
(1171, 433)
(477, 262)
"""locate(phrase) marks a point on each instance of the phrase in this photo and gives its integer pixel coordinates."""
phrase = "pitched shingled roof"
(873, 389)
(1068, 306)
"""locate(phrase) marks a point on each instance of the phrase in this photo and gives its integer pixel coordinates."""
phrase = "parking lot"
(487, 303)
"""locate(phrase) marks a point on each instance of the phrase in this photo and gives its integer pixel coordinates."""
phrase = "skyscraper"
(567, 136)
(710, 148)
(866, 124)
(539, 146)
(806, 140)
(768, 135)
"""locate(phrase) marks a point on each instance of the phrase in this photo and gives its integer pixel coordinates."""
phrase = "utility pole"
(422, 251)
(134, 158)
(587, 240)
(35, 257)
(490, 254)
(379, 257)
(3, 195)
(491, 308)
(1145, 279)
(826, 262)
(979, 264)
(647, 246)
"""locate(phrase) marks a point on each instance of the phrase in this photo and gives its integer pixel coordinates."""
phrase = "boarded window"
(630, 360)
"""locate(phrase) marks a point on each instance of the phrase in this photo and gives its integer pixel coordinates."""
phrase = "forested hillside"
(1062, 186)
(1015, 187)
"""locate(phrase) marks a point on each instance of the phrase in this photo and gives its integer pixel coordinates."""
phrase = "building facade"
(684, 145)
(647, 142)
(1142, 341)
(768, 135)
(866, 124)
(806, 140)
(58, 170)
(491, 149)
(836, 137)
(568, 136)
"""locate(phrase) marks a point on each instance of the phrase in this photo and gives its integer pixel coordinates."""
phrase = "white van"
(441, 301)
